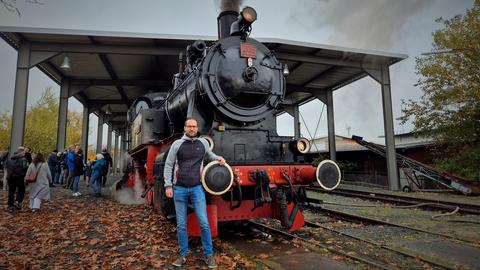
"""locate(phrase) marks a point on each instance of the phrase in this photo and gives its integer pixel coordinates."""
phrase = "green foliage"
(449, 109)
(41, 125)
(5, 130)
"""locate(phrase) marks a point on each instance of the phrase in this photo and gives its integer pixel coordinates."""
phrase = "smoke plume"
(130, 195)
(370, 24)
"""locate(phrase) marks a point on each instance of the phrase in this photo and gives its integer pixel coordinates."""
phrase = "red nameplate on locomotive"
(248, 50)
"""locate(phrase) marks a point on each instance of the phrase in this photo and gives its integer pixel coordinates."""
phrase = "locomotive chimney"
(224, 21)
(229, 14)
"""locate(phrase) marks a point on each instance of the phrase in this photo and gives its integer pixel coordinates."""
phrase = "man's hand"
(221, 160)
(169, 192)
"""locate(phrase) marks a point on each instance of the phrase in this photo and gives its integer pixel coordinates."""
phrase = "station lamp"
(65, 63)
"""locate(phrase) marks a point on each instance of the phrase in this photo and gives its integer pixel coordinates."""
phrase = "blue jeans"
(197, 197)
(75, 183)
(52, 172)
(96, 183)
(57, 178)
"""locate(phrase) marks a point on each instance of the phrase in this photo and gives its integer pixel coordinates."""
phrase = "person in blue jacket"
(71, 165)
(96, 180)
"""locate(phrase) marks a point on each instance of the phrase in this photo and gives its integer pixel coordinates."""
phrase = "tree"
(41, 125)
(449, 109)
(11, 5)
(5, 131)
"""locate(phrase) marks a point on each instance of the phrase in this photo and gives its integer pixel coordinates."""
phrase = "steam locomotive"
(232, 87)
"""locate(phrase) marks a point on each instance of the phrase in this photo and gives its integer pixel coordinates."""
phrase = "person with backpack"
(16, 169)
(40, 188)
(108, 164)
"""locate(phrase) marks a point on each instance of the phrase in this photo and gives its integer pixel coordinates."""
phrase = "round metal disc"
(217, 179)
(328, 174)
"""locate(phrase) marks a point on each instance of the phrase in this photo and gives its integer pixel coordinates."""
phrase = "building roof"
(111, 69)
(345, 144)
(411, 140)
(342, 144)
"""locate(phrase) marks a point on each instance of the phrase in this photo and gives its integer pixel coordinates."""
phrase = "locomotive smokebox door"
(245, 81)
(328, 175)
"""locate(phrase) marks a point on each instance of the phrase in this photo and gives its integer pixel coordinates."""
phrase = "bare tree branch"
(11, 5)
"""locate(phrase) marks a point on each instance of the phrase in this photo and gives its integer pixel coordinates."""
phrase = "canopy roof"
(112, 69)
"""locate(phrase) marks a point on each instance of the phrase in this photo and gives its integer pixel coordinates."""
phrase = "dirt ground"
(88, 232)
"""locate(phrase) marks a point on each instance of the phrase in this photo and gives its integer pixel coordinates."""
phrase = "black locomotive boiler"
(232, 87)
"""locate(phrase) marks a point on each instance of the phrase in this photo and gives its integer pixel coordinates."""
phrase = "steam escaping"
(128, 195)
(369, 24)
(229, 4)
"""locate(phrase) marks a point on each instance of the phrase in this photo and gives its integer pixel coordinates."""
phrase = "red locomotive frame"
(218, 210)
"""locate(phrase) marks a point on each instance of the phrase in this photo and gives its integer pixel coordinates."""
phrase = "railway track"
(464, 208)
(375, 260)
(357, 218)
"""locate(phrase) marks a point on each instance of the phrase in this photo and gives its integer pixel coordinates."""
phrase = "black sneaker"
(210, 260)
(11, 209)
(181, 260)
(18, 206)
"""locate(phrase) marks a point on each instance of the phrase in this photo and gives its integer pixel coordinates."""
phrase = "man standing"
(16, 169)
(52, 164)
(108, 164)
(71, 166)
(186, 156)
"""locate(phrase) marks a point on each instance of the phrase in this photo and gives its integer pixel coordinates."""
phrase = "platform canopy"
(109, 70)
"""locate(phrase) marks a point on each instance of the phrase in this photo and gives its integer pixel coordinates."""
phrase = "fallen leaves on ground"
(93, 233)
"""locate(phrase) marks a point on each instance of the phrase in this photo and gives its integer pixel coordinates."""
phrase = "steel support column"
(99, 133)
(296, 122)
(20, 96)
(326, 97)
(85, 127)
(382, 75)
(115, 154)
(332, 148)
(122, 151)
(62, 115)
(109, 139)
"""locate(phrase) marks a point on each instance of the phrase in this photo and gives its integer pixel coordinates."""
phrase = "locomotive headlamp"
(209, 139)
(249, 14)
(301, 146)
(242, 26)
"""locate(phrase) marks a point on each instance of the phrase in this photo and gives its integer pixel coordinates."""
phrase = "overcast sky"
(386, 25)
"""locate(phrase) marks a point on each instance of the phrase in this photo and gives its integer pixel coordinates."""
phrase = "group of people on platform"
(60, 168)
